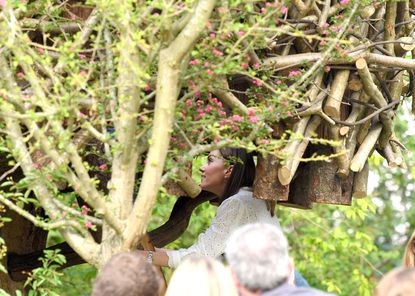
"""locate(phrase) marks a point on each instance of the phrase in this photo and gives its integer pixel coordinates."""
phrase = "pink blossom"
(20, 75)
(200, 115)
(340, 16)
(253, 119)
(217, 52)
(325, 32)
(219, 104)
(241, 33)
(235, 128)
(222, 37)
(215, 100)
(289, 114)
(103, 167)
(268, 4)
(189, 103)
(270, 109)
(335, 29)
(200, 110)
(237, 118)
(85, 210)
(222, 113)
(199, 103)
(197, 94)
(2, 3)
(326, 25)
(147, 88)
(73, 17)
(36, 165)
(279, 82)
(265, 141)
(82, 115)
(194, 62)
(83, 73)
(244, 65)
(156, 14)
(206, 64)
(276, 3)
(251, 111)
(208, 108)
(210, 72)
(39, 50)
(284, 9)
(263, 10)
(257, 65)
(212, 35)
(344, 2)
(323, 42)
(284, 103)
(294, 73)
(89, 224)
(173, 139)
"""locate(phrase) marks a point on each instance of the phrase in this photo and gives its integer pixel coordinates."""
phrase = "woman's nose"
(202, 168)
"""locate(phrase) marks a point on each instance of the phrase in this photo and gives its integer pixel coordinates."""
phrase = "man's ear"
(228, 171)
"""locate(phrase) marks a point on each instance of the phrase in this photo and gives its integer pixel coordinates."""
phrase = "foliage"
(43, 281)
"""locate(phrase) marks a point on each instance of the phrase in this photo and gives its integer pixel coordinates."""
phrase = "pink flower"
(199, 103)
(265, 141)
(268, 4)
(208, 108)
(279, 82)
(219, 104)
(289, 114)
(89, 224)
(251, 111)
(200, 110)
(197, 94)
(156, 14)
(103, 167)
(194, 62)
(2, 3)
(82, 56)
(73, 17)
(344, 2)
(276, 3)
(85, 210)
(212, 35)
(326, 25)
(323, 42)
(173, 139)
(241, 33)
(263, 10)
(189, 103)
(200, 115)
(222, 113)
(222, 37)
(217, 52)
(257, 65)
(147, 88)
(284, 9)
(20, 75)
(206, 64)
(284, 103)
(244, 65)
(335, 29)
(210, 72)
(215, 100)
(237, 118)
(82, 115)
(83, 73)
(327, 69)
(257, 82)
(253, 119)
(39, 50)
(325, 32)
(36, 165)
(294, 73)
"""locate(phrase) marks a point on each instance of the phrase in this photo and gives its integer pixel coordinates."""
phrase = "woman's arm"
(158, 258)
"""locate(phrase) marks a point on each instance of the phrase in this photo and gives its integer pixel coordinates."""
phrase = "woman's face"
(214, 174)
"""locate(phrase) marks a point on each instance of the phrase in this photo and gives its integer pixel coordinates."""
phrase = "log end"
(355, 167)
(284, 175)
(344, 130)
(361, 63)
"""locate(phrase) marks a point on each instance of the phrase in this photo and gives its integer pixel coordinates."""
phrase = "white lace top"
(237, 210)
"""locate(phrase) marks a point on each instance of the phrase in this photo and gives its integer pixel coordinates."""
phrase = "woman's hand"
(159, 257)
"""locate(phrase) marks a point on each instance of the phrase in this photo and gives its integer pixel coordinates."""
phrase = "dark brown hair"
(243, 170)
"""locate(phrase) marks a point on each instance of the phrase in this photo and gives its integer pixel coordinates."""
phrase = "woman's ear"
(228, 171)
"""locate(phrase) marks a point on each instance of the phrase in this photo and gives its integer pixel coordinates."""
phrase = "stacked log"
(354, 103)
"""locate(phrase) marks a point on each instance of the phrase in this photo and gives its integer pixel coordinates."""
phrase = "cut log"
(334, 101)
(360, 182)
(266, 184)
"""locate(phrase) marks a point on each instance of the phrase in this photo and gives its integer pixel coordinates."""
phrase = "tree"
(102, 104)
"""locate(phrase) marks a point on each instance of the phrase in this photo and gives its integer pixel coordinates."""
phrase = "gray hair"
(258, 255)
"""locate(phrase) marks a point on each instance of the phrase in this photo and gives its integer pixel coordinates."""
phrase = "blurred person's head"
(258, 256)
(127, 274)
(398, 282)
(202, 276)
(409, 256)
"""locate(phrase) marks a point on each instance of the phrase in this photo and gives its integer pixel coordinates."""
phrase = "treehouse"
(356, 79)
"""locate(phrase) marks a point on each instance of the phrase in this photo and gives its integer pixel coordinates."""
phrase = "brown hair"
(127, 274)
(409, 255)
(243, 170)
(398, 282)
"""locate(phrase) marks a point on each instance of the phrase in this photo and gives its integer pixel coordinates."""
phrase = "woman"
(201, 276)
(409, 256)
(398, 282)
(229, 173)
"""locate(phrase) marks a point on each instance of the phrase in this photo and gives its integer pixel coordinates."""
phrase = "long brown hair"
(243, 170)
(409, 255)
